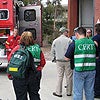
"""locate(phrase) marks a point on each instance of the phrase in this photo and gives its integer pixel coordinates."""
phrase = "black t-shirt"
(97, 39)
(70, 51)
(70, 54)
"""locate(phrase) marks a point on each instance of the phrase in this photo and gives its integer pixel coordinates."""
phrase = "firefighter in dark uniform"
(96, 39)
(12, 41)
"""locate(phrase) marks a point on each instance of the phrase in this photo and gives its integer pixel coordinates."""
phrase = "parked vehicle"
(13, 13)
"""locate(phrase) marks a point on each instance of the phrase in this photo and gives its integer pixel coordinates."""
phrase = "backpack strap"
(31, 61)
(22, 47)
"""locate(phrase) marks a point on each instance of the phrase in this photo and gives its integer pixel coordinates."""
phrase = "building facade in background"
(83, 13)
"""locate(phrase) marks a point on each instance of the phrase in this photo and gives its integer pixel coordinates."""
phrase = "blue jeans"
(83, 80)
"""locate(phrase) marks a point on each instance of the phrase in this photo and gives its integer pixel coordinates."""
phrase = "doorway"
(86, 13)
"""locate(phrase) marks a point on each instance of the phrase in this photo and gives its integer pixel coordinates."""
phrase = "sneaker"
(68, 94)
(65, 86)
(56, 94)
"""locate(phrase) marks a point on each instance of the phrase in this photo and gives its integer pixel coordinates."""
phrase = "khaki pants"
(64, 67)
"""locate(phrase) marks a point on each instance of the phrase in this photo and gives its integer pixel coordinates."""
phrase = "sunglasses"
(88, 32)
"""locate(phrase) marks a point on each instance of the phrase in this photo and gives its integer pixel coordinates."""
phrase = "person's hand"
(10, 77)
(8, 49)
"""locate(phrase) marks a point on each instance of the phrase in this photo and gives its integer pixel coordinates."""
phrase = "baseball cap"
(63, 29)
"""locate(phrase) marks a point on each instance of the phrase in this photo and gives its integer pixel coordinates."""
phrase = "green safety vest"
(35, 51)
(84, 55)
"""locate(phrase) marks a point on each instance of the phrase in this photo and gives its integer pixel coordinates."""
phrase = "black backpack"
(19, 62)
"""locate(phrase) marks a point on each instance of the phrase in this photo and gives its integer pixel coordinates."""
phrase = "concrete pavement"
(48, 84)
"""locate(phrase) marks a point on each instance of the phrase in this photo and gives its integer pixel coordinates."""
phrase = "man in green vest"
(83, 51)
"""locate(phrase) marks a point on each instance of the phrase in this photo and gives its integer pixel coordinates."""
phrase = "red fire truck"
(13, 13)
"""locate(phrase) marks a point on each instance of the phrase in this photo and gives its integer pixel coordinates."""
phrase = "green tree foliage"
(52, 16)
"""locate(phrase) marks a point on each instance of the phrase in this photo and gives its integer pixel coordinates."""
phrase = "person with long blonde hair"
(31, 83)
